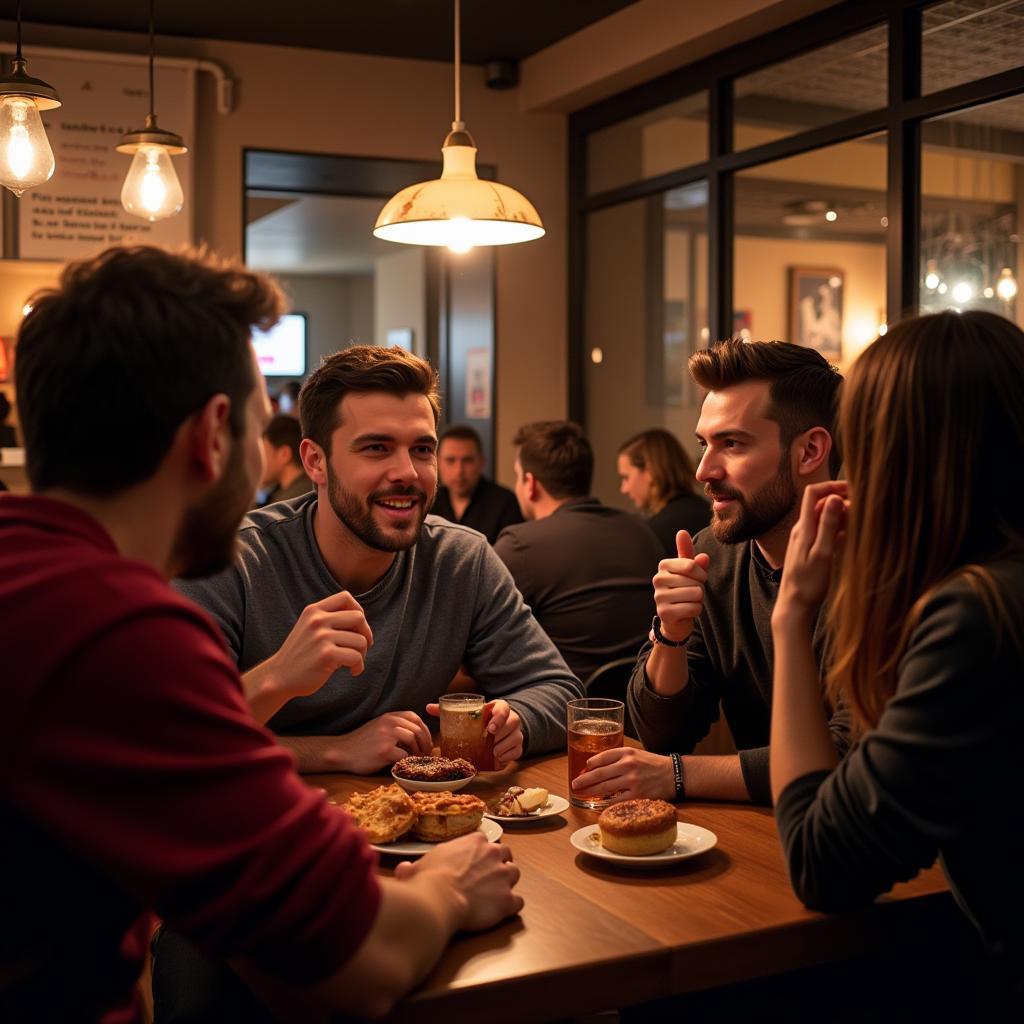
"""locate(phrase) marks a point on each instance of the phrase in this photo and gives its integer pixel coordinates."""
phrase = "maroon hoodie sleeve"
(146, 761)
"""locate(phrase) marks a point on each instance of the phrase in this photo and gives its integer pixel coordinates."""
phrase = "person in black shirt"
(658, 477)
(926, 545)
(8, 436)
(766, 429)
(466, 496)
(582, 567)
(283, 474)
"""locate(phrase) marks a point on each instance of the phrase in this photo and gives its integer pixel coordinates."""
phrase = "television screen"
(281, 351)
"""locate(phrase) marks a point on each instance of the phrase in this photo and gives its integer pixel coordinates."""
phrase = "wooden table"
(593, 936)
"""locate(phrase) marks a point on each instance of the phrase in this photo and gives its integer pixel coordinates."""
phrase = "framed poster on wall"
(816, 310)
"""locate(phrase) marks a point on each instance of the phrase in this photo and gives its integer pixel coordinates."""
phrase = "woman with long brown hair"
(925, 618)
(658, 477)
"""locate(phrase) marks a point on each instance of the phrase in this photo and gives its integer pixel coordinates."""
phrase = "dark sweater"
(938, 776)
(688, 512)
(585, 571)
(729, 658)
(491, 508)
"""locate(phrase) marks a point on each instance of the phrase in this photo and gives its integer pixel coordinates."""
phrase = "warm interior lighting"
(1006, 286)
(26, 159)
(151, 188)
(831, 215)
(962, 292)
(596, 355)
(458, 209)
(932, 279)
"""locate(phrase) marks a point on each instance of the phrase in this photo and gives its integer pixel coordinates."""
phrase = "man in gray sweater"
(349, 610)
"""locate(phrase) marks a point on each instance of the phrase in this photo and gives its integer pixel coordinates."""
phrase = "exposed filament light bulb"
(26, 159)
(151, 189)
(1006, 286)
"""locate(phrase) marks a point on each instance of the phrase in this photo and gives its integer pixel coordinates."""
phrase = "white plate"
(417, 786)
(555, 805)
(691, 840)
(416, 848)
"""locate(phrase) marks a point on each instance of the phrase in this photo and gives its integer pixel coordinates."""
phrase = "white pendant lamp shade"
(458, 209)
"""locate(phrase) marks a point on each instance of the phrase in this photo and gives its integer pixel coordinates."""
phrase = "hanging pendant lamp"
(151, 189)
(458, 209)
(26, 159)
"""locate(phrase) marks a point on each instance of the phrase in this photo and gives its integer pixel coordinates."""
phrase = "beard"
(357, 514)
(754, 516)
(205, 542)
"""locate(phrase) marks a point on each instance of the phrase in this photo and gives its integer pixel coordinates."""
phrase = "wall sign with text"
(78, 212)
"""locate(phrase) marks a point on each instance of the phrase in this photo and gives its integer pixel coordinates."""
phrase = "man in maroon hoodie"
(135, 778)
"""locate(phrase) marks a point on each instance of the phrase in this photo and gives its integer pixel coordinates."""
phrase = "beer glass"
(464, 718)
(594, 724)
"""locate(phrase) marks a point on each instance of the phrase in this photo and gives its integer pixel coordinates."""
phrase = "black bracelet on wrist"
(658, 638)
(677, 776)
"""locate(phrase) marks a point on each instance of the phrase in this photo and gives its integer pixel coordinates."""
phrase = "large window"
(646, 312)
(809, 250)
(972, 187)
(814, 184)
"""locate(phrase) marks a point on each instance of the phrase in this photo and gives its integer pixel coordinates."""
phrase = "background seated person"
(658, 477)
(925, 618)
(582, 567)
(466, 496)
(354, 597)
(283, 476)
(766, 429)
(135, 778)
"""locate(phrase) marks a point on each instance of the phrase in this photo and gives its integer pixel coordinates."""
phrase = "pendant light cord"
(457, 124)
(152, 97)
(17, 55)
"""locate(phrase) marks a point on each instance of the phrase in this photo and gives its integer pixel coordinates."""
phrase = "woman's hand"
(814, 543)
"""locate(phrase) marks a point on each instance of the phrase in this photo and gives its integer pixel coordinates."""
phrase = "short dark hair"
(558, 454)
(285, 431)
(128, 346)
(362, 368)
(803, 386)
(461, 432)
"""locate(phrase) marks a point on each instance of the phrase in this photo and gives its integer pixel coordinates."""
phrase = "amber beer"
(464, 718)
(594, 724)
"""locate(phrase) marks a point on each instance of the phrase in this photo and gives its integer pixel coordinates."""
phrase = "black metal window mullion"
(904, 166)
(577, 254)
(720, 212)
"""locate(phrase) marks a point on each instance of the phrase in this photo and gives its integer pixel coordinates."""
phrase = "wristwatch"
(659, 638)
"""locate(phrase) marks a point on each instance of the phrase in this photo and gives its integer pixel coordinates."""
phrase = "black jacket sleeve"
(912, 785)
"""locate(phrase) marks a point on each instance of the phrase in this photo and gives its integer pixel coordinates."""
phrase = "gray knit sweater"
(447, 601)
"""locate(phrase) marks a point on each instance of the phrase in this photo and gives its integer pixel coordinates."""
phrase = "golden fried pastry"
(441, 816)
(433, 769)
(638, 827)
(384, 814)
(517, 802)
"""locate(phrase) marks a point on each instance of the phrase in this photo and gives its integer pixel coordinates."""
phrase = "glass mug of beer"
(595, 724)
(464, 718)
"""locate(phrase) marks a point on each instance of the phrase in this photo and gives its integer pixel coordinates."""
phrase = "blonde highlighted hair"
(931, 421)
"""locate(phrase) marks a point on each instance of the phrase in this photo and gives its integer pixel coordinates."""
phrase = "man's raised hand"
(328, 635)
(679, 588)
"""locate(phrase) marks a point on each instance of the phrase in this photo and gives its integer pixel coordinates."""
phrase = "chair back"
(612, 680)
